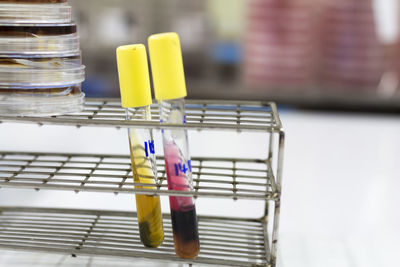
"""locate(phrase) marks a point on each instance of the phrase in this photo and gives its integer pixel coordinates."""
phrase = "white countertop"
(341, 177)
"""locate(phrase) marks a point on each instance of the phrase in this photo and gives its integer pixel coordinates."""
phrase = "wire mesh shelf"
(213, 177)
(218, 115)
(223, 241)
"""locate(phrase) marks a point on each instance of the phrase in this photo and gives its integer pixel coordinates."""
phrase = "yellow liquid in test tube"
(136, 98)
(148, 207)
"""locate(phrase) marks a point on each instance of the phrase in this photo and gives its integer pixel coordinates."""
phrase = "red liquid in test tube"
(183, 210)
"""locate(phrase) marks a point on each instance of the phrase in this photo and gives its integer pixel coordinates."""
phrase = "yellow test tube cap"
(134, 79)
(167, 66)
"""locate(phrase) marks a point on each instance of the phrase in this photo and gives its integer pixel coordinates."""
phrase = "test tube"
(136, 98)
(170, 90)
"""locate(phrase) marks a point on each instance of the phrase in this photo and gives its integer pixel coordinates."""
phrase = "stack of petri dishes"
(41, 69)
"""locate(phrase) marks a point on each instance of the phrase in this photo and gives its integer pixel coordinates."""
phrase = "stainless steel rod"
(116, 234)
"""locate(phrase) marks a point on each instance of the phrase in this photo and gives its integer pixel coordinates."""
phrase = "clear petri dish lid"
(36, 105)
(41, 46)
(34, 12)
(31, 77)
(49, 92)
(31, 39)
(41, 55)
(60, 62)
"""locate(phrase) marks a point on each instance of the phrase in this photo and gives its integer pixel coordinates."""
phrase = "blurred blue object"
(226, 52)
(96, 86)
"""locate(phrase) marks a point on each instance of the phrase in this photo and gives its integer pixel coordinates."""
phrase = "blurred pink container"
(279, 44)
(351, 55)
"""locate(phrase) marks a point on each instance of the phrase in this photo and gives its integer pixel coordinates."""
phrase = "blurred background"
(339, 54)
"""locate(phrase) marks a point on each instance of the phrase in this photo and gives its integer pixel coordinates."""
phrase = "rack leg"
(265, 221)
(274, 247)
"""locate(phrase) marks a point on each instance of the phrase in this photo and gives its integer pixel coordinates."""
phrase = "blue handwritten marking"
(176, 170)
(149, 146)
(146, 149)
(183, 168)
(152, 147)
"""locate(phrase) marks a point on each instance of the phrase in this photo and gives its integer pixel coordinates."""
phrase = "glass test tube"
(136, 98)
(144, 170)
(178, 168)
(170, 90)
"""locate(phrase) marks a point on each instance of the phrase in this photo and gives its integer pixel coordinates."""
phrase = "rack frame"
(201, 115)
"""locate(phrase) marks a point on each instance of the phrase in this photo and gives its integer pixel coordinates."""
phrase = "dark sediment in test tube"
(183, 211)
(186, 236)
(150, 220)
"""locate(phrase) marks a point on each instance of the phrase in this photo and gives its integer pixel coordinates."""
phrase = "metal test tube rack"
(248, 242)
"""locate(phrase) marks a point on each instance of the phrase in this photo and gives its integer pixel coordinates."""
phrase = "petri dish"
(35, 12)
(60, 61)
(48, 92)
(43, 39)
(31, 77)
(40, 105)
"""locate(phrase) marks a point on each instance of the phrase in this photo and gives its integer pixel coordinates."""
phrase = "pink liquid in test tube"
(183, 210)
(170, 90)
